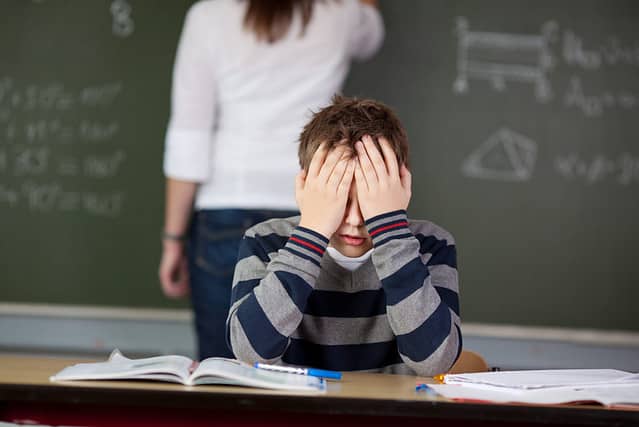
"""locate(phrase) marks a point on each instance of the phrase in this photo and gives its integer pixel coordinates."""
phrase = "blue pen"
(322, 373)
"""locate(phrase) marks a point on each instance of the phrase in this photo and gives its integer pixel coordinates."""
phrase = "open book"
(179, 369)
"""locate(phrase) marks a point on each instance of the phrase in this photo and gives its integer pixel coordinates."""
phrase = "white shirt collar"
(351, 264)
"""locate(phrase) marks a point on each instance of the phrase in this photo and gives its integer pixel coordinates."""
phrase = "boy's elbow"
(435, 365)
(443, 358)
(240, 345)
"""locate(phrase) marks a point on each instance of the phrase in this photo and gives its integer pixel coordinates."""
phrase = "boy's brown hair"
(346, 121)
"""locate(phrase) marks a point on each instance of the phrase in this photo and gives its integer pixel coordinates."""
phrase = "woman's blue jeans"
(214, 240)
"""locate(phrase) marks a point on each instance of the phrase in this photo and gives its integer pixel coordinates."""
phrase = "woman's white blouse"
(239, 105)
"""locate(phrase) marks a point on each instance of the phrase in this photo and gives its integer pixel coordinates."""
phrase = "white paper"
(617, 394)
(536, 379)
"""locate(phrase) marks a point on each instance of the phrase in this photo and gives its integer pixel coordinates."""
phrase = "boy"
(351, 284)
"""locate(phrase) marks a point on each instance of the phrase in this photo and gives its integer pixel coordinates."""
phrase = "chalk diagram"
(504, 156)
(498, 57)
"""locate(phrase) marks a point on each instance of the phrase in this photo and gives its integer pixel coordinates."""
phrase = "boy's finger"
(331, 160)
(360, 180)
(347, 178)
(338, 172)
(317, 161)
(390, 158)
(367, 168)
(376, 157)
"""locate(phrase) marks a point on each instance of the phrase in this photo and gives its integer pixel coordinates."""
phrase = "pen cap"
(325, 374)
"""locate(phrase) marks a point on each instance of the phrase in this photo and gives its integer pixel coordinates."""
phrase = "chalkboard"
(523, 119)
(524, 144)
(84, 102)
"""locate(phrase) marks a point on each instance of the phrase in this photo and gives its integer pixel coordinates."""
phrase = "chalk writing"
(104, 205)
(53, 197)
(624, 169)
(595, 105)
(31, 161)
(102, 95)
(40, 131)
(54, 96)
(103, 166)
(123, 24)
(58, 131)
(41, 197)
(51, 133)
(93, 131)
(612, 52)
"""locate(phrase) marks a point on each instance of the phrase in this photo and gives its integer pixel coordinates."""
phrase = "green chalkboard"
(523, 122)
(84, 101)
(524, 142)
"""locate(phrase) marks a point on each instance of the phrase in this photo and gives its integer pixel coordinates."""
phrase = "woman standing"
(247, 75)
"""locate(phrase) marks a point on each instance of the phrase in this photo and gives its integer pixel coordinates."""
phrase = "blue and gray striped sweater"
(397, 313)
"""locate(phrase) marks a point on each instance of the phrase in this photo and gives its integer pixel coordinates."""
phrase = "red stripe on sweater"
(308, 245)
(388, 227)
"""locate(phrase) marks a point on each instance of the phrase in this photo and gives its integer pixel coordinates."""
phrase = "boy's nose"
(353, 215)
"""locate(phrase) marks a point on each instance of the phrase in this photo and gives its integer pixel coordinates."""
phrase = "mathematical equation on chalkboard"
(500, 58)
(509, 156)
(514, 58)
(45, 143)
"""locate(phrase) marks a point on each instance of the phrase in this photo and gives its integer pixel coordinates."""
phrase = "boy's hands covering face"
(322, 191)
(382, 185)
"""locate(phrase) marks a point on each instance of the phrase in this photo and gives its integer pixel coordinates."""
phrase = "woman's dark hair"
(271, 19)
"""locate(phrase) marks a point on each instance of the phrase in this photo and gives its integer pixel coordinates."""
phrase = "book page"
(229, 371)
(159, 368)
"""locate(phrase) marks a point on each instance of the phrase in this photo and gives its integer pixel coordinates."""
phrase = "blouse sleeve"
(189, 132)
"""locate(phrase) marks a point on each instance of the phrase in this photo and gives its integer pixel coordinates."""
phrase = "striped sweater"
(398, 313)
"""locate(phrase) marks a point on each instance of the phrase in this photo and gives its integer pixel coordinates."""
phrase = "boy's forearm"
(422, 308)
(269, 299)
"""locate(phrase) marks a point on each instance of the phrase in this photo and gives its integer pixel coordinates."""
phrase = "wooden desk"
(359, 399)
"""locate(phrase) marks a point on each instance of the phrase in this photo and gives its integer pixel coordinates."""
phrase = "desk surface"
(26, 380)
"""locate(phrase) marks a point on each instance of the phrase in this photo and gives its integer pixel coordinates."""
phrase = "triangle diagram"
(504, 156)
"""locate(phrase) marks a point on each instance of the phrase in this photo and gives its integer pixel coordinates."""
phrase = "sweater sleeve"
(188, 137)
(419, 277)
(270, 290)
